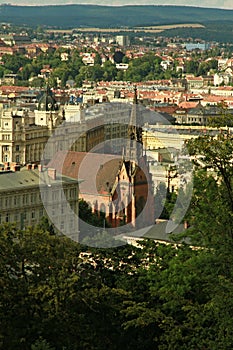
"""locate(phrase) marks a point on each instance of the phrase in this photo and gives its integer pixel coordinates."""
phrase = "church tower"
(140, 203)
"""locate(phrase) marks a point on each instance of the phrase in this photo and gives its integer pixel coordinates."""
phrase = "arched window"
(102, 208)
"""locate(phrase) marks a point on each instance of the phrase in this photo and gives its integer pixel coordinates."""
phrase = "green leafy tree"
(37, 82)
(214, 162)
(41, 344)
(97, 59)
(110, 71)
(144, 68)
(192, 67)
(97, 72)
(223, 119)
(14, 62)
(125, 59)
(118, 56)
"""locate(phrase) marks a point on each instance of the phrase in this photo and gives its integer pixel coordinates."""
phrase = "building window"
(71, 224)
(32, 197)
(17, 147)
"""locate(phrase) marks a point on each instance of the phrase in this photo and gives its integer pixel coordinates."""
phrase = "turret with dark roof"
(47, 102)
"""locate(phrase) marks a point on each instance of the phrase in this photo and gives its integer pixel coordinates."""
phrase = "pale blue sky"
(227, 4)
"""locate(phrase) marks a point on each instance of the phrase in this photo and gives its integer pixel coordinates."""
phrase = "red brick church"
(119, 186)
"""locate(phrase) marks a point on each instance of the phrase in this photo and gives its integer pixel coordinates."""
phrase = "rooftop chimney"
(52, 173)
(40, 168)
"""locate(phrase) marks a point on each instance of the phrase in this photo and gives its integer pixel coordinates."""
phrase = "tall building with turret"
(47, 113)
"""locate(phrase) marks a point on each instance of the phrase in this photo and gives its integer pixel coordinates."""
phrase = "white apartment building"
(29, 194)
(122, 40)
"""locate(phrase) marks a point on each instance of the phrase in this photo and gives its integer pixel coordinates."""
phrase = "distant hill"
(73, 16)
(212, 31)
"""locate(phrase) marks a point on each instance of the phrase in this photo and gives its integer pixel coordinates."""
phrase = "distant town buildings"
(122, 40)
(197, 46)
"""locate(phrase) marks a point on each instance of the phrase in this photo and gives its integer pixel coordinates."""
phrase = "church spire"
(134, 142)
(135, 98)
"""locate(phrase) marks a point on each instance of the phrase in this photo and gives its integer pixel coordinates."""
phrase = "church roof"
(98, 171)
(106, 175)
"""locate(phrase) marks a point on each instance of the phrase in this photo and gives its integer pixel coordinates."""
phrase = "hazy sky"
(227, 4)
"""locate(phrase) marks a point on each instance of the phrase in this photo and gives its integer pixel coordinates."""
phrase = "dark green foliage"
(212, 204)
(98, 59)
(13, 63)
(224, 119)
(26, 68)
(145, 68)
(118, 56)
(154, 297)
(213, 31)
(164, 202)
(41, 344)
(86, 214)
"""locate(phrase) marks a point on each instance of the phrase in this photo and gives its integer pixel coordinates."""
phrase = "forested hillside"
(69, 16)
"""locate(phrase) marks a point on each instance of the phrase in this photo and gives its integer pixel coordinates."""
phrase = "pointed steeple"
(135, 98)
(134, 142)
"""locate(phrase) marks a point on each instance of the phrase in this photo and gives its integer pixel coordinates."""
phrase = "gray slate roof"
(27, 178)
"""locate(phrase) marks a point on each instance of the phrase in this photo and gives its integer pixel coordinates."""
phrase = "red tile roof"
(98, 171)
